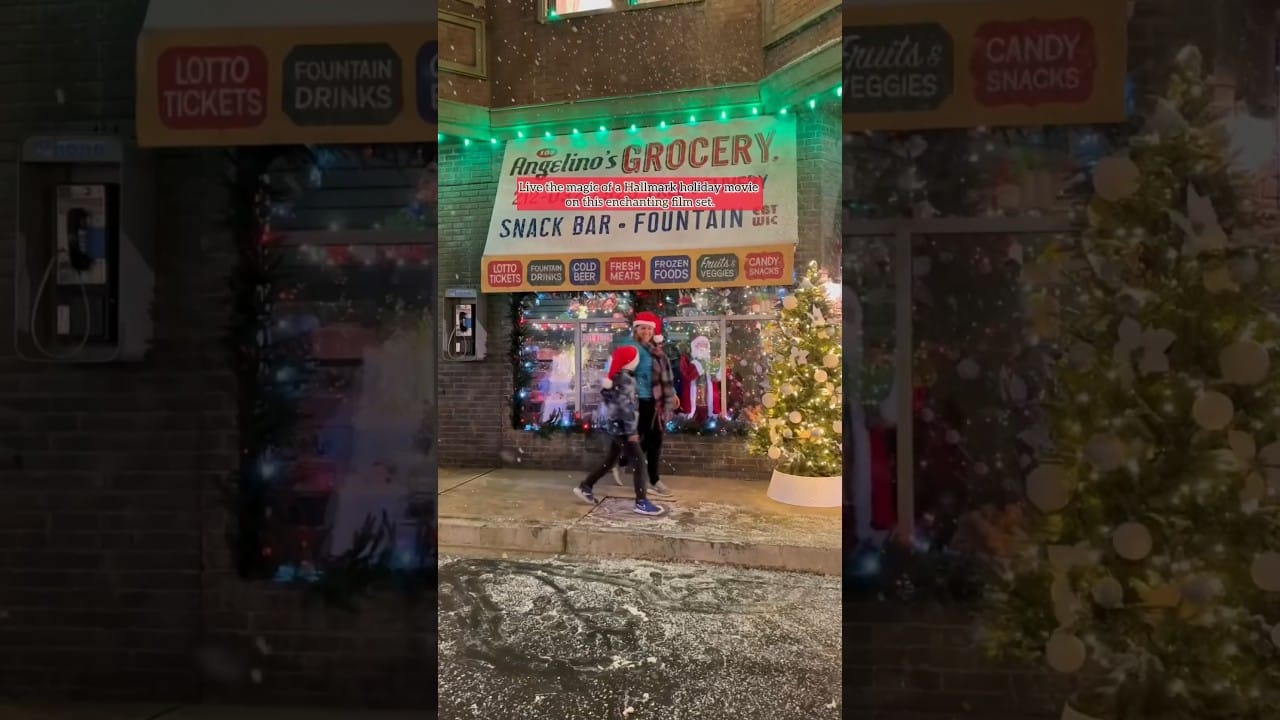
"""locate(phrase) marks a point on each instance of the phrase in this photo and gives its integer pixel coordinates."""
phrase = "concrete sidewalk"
(158, 711)
(533, 513)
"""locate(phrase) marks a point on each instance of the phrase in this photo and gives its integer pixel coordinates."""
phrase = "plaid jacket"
(667, 402)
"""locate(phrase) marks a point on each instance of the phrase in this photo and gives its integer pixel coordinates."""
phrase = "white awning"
(264, 72)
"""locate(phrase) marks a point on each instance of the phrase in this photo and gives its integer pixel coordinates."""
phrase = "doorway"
(948, 356)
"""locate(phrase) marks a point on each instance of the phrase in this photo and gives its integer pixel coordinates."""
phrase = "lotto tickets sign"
(993, 64)
(267, 86)
(637, 240)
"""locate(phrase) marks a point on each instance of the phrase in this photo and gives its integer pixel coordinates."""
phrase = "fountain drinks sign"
(637, 242)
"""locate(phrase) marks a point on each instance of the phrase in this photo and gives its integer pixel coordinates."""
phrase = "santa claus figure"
(700, 393)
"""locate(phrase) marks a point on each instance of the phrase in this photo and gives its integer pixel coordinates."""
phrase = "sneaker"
(617, 476)
(660, 489)
(585, 495)
(644, 507)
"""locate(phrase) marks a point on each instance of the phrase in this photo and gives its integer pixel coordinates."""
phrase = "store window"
(354, 313)
(712, 336)
(558, 9)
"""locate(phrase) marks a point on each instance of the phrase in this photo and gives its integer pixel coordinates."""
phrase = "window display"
(712, 335)
(341, 404)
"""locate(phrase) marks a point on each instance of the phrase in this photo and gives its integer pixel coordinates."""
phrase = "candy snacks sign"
(644, 245)
(264, 86)
(994, 63)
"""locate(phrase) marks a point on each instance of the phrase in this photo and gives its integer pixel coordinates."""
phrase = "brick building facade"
(116, 578)
(687, 55)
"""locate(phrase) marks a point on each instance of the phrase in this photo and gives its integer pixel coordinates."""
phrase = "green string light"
(812, 102)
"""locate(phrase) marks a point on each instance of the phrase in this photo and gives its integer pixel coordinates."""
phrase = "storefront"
(330, 123)
(559, 288)
(958, 213)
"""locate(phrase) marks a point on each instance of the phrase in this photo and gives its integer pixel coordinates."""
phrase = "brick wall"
(115, 578)
(475, 426)
(694, 45)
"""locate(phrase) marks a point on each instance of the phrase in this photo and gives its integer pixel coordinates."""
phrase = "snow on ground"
(591, 640)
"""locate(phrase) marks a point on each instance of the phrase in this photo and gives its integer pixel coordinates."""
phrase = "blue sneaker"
(644, 507)
(585, 495)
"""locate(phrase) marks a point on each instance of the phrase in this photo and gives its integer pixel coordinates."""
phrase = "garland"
(558, 424)
(271, 372)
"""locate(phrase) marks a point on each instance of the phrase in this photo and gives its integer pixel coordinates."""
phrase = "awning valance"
(259, 72)
(602, 247)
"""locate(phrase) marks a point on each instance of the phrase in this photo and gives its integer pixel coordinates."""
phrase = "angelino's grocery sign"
(989, 63)
(648, 247)
(263, 86)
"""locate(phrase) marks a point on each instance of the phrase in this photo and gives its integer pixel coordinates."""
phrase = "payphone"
(83, 275)
(464, 336)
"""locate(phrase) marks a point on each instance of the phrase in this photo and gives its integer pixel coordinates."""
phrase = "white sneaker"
(661, 490)
(617, 476)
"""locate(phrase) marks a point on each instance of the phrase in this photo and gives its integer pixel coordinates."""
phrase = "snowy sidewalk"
(531, 513)
(158, 711)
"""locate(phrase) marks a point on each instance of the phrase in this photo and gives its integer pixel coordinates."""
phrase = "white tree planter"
(815, 492)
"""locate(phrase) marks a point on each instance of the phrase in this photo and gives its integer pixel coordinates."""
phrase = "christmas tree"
(1152, 567)
(799, 424)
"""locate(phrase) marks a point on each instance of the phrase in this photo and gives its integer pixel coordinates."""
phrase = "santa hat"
(625, 357)
(649, 320)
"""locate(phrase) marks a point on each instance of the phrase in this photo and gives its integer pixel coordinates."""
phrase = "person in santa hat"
(656, 390)
(619, 390)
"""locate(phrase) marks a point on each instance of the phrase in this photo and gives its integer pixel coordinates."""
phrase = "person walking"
(656, 389)
(619, 390)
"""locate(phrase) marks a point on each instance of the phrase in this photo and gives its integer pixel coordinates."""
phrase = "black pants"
(629, 453)
(650, 431)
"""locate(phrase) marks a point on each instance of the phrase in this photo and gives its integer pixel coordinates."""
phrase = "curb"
(487, 538)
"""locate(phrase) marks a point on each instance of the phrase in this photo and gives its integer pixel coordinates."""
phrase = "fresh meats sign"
(992, 64)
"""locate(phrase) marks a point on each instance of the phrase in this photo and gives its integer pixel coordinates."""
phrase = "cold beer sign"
(974, 64)
(260, 86)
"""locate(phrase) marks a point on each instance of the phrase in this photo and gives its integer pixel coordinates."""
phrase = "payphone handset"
(465, 317)
(83, 267)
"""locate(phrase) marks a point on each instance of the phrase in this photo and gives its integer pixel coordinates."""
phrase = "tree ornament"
(1049, 488)
(795, 417)
(775, 453)
(1199, 591)
(1116, 178)
(1212, 410)
(1132, 541)
(1104, 452)
(1265, 571)
(1244, 362)
(1217, 280)
(968, 368)
(830, 360)
(837, 426)
(768, 400)
(1108, 593)
(789, 302)
(1065, 652)
(820, 375)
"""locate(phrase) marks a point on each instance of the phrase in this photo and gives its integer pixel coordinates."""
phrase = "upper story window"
(559, 9)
